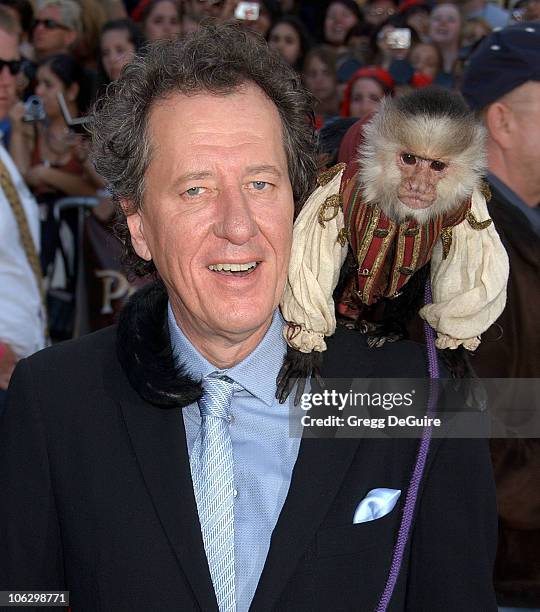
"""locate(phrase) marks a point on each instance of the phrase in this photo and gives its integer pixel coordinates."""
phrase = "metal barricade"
(83, 205)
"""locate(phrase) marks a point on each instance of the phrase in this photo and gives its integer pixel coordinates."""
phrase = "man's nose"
(235, 221)
(5, 75)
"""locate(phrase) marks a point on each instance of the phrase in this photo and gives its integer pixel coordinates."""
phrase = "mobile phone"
(78, 124)
(247, 11)
(400, 38)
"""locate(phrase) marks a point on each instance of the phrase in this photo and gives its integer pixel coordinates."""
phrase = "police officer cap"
(505, 60)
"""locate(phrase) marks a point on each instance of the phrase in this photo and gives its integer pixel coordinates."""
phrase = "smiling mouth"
(234, 269)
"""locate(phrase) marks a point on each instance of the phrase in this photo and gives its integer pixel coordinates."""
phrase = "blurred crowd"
(58, 56)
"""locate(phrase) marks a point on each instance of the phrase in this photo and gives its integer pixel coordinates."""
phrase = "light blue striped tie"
(213, 483)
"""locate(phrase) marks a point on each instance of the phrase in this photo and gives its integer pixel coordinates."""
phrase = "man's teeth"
(232, 267)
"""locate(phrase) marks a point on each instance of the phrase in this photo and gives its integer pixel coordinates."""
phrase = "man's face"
(49, 40)
(9, 51)
(218, 211)
(525, 104)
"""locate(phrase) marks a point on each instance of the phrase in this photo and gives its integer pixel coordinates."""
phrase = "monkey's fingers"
(300, 386)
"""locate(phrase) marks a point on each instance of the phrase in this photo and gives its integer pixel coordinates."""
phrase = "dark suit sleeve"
(30, 545)
(455, 535)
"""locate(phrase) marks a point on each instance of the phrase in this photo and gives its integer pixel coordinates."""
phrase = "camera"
(400, 38)
(33, 110)
(247, 11)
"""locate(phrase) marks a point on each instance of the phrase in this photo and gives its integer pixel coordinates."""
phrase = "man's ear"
(499, 121)
(136, 230)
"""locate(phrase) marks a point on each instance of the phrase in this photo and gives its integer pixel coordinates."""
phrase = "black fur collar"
(145, 353)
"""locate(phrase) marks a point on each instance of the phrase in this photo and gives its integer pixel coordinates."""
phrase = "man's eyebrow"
(263, 169)
(190, 176)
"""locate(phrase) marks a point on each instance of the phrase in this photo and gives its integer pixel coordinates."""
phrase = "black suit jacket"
(97, 495)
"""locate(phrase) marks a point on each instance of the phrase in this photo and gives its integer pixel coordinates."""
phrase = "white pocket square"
(376, 504)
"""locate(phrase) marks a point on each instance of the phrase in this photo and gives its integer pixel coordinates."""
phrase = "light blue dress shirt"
(264, 452)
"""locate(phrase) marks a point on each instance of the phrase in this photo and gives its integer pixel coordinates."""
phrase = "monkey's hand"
(459, 365)
(296, 369)
(379, 333)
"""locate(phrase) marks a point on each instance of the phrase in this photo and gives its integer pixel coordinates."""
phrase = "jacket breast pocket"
(352, 539)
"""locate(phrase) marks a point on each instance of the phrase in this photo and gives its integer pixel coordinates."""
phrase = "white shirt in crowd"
(21, 314)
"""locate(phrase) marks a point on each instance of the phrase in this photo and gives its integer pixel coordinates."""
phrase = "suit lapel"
(159, 442)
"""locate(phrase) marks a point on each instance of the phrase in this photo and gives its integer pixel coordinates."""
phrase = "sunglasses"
(14, 66)
(49, 24)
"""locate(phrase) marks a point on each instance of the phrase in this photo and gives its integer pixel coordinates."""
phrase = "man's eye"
(408, 158)
(194, 191)
(438, 166)
(259, 185)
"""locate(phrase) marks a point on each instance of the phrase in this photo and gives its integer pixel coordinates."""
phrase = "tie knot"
(217, 396)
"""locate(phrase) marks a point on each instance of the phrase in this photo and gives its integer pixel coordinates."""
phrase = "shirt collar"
(257, 373)
(532, 214)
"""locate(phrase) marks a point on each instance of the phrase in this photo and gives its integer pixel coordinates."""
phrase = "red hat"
(408, 4)
(376, 73)
(137, 12)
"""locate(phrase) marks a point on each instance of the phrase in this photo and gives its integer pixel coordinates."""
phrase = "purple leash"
(416, 478)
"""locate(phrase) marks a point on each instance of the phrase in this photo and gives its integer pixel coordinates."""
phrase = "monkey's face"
(419, 179)
(421, 157)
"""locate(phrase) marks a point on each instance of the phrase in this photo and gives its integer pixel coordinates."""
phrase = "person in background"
(415, 15)
(56, 28)
(161, 20)
(492, 12)
(119, 42)
(358, 40)
(22, 327)
(48, 161)
(23, 11)
(50, 156)
(532, 10)
(383, 43)
(364, 92)
(86, 49)
(204, 8)
(474, 30)
(289, 37)
(377, 12)
(445, 33)
(509, 102)
(319, 77)
(340, 17)
(426, 58)
(269, 12)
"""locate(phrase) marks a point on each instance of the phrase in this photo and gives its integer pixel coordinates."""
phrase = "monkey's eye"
(438, 166)
(408, 158)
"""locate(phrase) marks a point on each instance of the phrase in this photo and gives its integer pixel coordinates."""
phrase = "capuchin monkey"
(423, 155)
(420, 158)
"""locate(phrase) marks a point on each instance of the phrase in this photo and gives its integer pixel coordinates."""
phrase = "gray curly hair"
(218, 59)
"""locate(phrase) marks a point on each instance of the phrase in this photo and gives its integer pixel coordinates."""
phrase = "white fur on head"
(425, 124)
